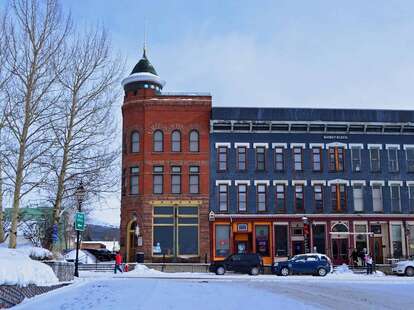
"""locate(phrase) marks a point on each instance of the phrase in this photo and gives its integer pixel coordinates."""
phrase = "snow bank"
(17, 268)
(143, 270)
(343, 269)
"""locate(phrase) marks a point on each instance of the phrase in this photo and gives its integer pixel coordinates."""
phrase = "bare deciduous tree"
(85, 129)
(34, 36)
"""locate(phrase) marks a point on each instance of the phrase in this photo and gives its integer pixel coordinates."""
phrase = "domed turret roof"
(144, 66)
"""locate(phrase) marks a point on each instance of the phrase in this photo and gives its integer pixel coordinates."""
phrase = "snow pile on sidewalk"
(17, 268)
(143, 270)
(343, 269)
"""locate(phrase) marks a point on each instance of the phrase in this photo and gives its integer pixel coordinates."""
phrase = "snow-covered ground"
(17, 268)
(228, 292)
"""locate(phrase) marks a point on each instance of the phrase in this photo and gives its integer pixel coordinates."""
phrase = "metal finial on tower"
(145, 40)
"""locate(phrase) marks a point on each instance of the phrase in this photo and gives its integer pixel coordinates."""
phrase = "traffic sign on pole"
(80, 221)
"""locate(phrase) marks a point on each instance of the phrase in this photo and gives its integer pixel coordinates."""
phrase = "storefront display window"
(262, 240)
(410, 240)
(222, 240)
(396, 241)
(175, 231)
(319, 238)
(361, 240)
(281, 240)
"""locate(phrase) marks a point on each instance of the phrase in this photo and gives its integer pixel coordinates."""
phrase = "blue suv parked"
(313, 264)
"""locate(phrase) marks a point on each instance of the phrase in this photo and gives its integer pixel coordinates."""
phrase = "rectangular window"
(280, 198)
(222, 158)
(299, 198)
(298, 158)
(134, 181)
(158, 179)
(338, 197)
(393, 159)
(175, 179)
(281, 240)
(242, 197)
(223, 197)
(260, 158)
(262, 240)
(358, 193)
(319, 239)
(395, 198)
(318, 197)
(194, 179)
(123, 186)
(336, 159)
(361, 239)
(222, 240)
(411, 197)
(377, 198)
(241, 158)
(279, 159)
(164, 231)
(356, 158)
(317, 159)
(397, 249)
(375, 159)
(261, 197)
(410, 159)
(175, 231)
(187, 230)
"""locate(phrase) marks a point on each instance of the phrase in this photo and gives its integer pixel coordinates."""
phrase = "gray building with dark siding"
(286, 181)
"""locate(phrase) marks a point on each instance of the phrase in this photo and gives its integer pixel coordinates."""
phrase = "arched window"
(176, 141)
(158, 141)
(194, 141)
(340, 228)
(135, 142)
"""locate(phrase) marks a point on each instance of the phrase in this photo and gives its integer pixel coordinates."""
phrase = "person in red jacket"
(118, 262)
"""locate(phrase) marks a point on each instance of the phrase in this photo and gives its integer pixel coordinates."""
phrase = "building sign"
(175, 202)
(333, 137)
(211, 216)
(242, 227)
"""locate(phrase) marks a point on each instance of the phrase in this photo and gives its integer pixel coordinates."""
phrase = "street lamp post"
(80, 195)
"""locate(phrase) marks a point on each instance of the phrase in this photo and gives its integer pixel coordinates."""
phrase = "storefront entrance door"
(376, 250)
(340, 251)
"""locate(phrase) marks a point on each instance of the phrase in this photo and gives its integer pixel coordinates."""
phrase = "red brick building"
(165, 170)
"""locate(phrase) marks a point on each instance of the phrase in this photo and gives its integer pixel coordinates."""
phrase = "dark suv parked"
(243, 263)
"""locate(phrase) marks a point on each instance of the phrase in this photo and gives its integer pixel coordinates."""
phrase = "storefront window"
(175, 231)
(222, 240)
(411, 240)
(361, 240)
(319, 238)
(262, 240)
(281, 240)
(396, 241)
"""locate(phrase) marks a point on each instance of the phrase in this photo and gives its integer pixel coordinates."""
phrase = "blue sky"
(270, 53)
(343, 54)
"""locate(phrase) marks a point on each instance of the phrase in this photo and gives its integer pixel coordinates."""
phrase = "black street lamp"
(80, 196)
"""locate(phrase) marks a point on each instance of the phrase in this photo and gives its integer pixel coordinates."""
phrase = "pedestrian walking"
(354, 257)
(368, 261)
(362, 255)
(118, 262)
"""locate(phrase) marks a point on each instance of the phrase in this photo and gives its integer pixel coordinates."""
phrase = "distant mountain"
(106, 232)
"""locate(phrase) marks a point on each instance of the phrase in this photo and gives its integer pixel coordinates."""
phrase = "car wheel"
(321, 272)
(220, 271)
(254, 271)
(409, 271)
(284, 271)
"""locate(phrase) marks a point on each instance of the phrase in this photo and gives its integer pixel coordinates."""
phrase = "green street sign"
(80, 221)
